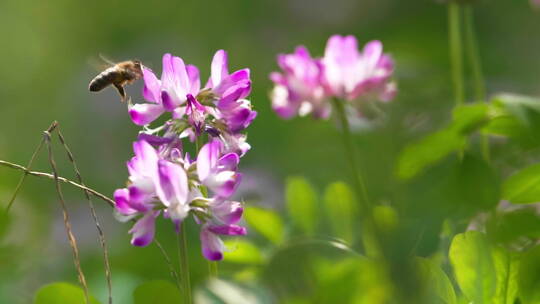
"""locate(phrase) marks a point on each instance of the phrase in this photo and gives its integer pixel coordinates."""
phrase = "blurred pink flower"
(350, 74)
(306, 85)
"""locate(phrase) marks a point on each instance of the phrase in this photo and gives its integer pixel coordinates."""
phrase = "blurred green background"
(45, 61)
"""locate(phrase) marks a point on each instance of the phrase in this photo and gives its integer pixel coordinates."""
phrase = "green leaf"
(524, 186)
(511, 226)
(437, 284)
(471, 258)
(217, 291)
(292, 269)
(434, 147)
(242, 252)
(61, 293)
(469, 118)
(158, 291)
(519, 105)
(266, 222)
(517, 117)
(427, 151)
(506, 268)
(386, 218)
(301, 201)
(340, 207)
(529, 276)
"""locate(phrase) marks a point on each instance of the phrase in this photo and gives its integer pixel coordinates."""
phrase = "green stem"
(198, 143)
(371, 236)
(456, 52)
(213, 269)
(351, 156)
(476, 66)
(184, 265)
(473, 54)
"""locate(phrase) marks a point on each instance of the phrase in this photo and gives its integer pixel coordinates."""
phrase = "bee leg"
(121, 91)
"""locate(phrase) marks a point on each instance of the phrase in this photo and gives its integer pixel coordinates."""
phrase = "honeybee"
(118, 75)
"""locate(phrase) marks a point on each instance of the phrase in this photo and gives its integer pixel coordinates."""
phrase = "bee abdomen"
(102, 80)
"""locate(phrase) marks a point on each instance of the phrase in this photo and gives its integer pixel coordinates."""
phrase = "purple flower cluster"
(306, 84)
(162, 176)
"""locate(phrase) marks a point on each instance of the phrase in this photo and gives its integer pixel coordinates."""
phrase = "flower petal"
(224, 183)
(229, 161)
(219, 68)
(169, 103)
(154, 139)
(152, 85)
(212, 246)
(172, 188)
(207, 158)
(144, 113)
(372, 53)
(228, 230)
(227, 212)
(147, 155)
(144, 229)
(194, 80)
(121, 199)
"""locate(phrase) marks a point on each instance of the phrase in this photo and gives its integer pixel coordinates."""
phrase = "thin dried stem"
(95, 193)
(173, 272)
(101, 235)
(67, 224)
(29, 166)
(59, 178)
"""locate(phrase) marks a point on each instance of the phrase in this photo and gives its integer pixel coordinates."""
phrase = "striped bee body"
(118, 75)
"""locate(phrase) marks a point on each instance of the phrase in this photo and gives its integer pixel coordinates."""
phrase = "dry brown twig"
(88, 191)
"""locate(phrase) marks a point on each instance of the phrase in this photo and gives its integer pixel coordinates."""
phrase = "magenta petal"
(121, 199)
(212, 246)
(240, 75)
(180, 73)
(138, 199)
(241, 119)
(207, 158)
(154, 139)
(146, 154)
(219, 67)
(372, 52)
(237, 78)
(167, 74)
(168, 103)
(278, 78)
(144, 113)
(232, 94)
(228, 212)
(228, 230)
(194, 80)
(226, 187)
(151, 85)
(229, 161)
(144, 229)
(173, 184)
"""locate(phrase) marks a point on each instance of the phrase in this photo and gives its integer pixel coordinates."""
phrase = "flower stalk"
(476, 66)
(184, 264)
(350, 152)
(456, 51)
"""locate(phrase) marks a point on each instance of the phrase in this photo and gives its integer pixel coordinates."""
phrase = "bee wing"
(98, 64)
(106, 59)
